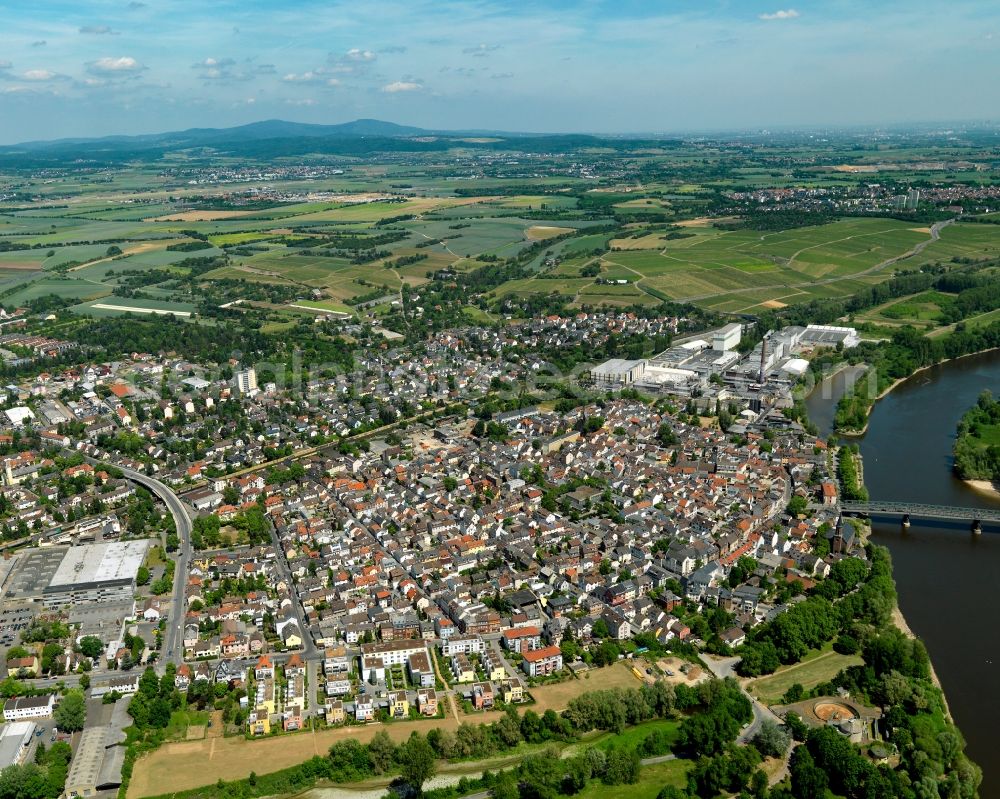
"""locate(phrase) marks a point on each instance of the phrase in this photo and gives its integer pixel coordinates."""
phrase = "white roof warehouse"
(96, 573)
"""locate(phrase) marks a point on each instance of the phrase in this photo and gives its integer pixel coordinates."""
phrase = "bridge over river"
(905, 510)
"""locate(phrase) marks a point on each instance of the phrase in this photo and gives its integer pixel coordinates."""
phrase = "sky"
(101, 67)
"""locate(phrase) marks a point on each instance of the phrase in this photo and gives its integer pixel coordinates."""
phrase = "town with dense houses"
(410, 539)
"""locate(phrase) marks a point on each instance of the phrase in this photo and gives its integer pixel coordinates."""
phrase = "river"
(945, 576)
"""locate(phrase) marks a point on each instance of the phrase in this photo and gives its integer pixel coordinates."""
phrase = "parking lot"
(13, 620)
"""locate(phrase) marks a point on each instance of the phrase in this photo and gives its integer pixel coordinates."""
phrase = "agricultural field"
(119, 306)
(579, 233)
(920, 310)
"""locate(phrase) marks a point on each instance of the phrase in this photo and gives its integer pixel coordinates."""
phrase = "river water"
(947, 578)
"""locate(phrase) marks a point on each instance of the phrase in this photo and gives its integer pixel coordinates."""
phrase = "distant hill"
(255, 131)
(275, 138)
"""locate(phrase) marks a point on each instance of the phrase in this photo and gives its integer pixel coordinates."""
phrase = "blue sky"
(97, 67)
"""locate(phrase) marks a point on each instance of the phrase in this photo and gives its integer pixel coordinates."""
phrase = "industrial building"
(103, 572)
(618, 372)
(15, 740)
(727, 337)
(830, 336)
(98, 760)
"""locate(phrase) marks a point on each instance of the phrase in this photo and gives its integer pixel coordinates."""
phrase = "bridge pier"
(977, 528)
(906, 520)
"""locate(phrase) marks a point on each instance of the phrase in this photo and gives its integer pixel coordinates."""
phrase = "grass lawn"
(651, 781)
(633, 736)
(181, 721)
(817, 667)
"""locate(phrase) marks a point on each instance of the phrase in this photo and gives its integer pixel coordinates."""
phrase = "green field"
(817, 667)
(651, 781)
(119, 306)
(462, 208)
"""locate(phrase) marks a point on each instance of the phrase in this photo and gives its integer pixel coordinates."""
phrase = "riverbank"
(990, 487)
(896, 383)
(899, 620)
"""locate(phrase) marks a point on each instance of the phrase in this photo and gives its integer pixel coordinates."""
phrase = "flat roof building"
(96, 573)
(618, 371)
(14, 742)
(727, 337)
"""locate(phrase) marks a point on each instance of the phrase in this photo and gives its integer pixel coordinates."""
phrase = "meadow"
(426, 216)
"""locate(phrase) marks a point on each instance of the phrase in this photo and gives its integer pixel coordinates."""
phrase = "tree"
(91, 646)
(382, 751)
(771, 740)
(142, 575)
(71, 713)
(797, 506)
(808, 780)
(622, 767)
(416, 760)
(505, 786)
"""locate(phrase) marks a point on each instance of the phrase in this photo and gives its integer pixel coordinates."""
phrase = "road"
(309, 650)
(726, 667)
(173, 636)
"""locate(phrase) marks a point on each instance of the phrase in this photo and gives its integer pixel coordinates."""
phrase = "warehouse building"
(97, 763)
(15, 740)
(102, 572)
(830, 336)
(727, 337)
(618, 371)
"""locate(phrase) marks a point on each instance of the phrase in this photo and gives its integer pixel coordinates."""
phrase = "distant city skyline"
(102, 67)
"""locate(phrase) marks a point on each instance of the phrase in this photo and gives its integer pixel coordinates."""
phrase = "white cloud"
(98, 30)
(308, 101)
(789, 13)
(39, 75)
(122, 64)
(215, 68)
(333, 82)
(402, 86)
(312, 76)
(357, 54)
(5, 64)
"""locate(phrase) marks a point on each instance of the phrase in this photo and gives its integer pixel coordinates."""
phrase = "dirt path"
(137, 249)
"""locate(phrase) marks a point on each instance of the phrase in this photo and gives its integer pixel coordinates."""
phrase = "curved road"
(173, 638)
(726, 667)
